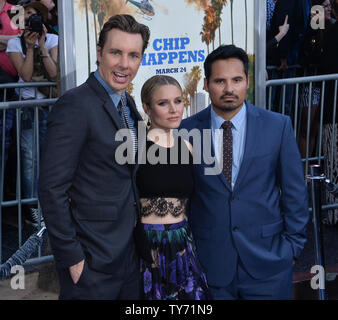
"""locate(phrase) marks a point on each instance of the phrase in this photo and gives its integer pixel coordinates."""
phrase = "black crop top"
(171, 178)
(174, 179)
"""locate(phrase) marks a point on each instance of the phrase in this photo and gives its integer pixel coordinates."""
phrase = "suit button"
(135, 204)
(233, 199)
(235, 229)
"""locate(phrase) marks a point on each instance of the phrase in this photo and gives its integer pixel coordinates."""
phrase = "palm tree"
(196, 75)
(215, 8)
(186, 100)
(94, 5)
(210, 21)
(209, 27)
(104, 6)
(191, 81)
(205, 36)
(218, 8)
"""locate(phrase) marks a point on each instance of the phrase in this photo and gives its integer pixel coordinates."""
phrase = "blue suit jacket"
(263, 219)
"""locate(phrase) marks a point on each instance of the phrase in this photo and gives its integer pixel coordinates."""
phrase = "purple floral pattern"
(175, 273)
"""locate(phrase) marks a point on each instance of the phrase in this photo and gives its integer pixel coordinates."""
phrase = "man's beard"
(226, 108)
(231, 106)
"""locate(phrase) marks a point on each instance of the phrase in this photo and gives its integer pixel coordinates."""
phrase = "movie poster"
(183, 32)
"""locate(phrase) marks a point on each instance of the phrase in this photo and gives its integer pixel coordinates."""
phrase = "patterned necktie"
(126, 121)
(227, 150)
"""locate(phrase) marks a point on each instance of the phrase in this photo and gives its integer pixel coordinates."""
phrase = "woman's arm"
(4, 41)
(283, 30)
(25, 66)
(4, 38)
(49, 59)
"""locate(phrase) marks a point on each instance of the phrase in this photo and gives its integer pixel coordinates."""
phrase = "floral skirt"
(174, 273)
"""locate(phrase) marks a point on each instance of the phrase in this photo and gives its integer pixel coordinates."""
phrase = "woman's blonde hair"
(154, 83)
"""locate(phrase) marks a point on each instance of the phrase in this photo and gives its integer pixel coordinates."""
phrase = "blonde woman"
(169, 266)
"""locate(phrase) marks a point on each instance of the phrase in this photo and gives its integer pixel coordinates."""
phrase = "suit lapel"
(108, 104)
(253, 126)
(112, 111)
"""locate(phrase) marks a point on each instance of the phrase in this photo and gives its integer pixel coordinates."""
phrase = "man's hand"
(76, 271)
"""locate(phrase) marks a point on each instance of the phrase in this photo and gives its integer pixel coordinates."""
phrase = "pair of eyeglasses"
(327, 6)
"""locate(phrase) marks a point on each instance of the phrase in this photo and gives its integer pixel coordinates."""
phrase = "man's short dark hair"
(225, 52)
(126, 23)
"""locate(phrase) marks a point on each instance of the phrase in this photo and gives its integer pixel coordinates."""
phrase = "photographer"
(34, 56)
(52, 22)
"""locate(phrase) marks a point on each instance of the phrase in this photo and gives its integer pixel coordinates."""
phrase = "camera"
(35, 23)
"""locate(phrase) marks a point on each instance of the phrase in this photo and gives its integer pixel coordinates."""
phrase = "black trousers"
(95, 285)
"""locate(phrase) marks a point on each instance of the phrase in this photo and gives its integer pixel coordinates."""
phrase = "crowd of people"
(163, 228)
(302, 41)
(29, 53)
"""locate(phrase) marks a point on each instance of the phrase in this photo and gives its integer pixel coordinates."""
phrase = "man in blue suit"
(249, 222)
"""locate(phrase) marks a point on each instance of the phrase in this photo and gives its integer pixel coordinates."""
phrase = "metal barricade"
(313, 157)
(295, 113)
(316, 180)
(22, 107)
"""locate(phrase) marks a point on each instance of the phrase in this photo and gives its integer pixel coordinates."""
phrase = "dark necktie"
(227, 150)
(126, 121)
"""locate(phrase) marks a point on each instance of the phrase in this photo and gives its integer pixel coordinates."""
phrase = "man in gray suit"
(88, 199)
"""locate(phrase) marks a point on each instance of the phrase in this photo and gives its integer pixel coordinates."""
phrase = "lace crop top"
(165, 181)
